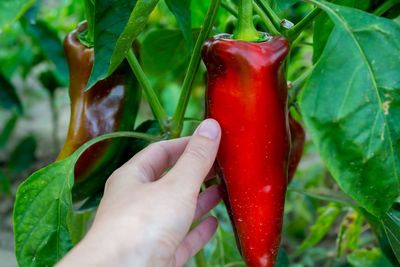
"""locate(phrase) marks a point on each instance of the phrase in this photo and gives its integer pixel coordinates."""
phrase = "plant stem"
(154, 102)
(54, 120)
(266, 20)
(294, 32)
(177, 120)
(89, 11)
(200, 259)
(382, 9)
(229, 8)
(245, 29)
(266, 8)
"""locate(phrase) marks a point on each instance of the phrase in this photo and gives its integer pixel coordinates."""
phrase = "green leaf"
(23, 156)
(46, 38)
(284, 4)
(43, 204)
(183, 14)
(107, 13)
(368, 258)
(349, 232)
(5, 184)
(12, 10)
(160, 48)
(113, 43)
(323, 25)
(8, 129)
(391, 224)
(8, 96)
(351, 106)
(43, 209)
(326, 217)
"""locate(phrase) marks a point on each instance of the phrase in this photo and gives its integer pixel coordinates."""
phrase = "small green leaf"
(326, 217)
(368, 258)
(183, 14)
(349, 232)
(46, 38)
(8, 96)
(5, 184)
(352, 107)
(23, 156)
(12, 10)
(8, 129)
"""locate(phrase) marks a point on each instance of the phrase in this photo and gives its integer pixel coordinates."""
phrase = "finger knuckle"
(198, 152)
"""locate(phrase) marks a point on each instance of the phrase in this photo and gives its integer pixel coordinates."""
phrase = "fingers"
(195, 240)
(149, 164)
(207, 200)
(198, 158)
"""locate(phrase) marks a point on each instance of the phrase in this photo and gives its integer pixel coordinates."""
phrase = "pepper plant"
(329, 70)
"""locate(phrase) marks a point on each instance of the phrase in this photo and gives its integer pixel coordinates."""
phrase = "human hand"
(145, 215)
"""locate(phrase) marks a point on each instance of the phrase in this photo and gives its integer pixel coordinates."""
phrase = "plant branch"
(155, 105)
(266, 8)
(177, 120)
(270, 26)
(382, 9)
(294, 32)
(229, 8)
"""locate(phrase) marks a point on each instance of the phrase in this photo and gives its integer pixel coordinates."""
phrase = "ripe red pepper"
(247, 95)
(298, 138)
(109, 106)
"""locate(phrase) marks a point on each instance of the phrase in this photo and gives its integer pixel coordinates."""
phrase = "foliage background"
(321, 227)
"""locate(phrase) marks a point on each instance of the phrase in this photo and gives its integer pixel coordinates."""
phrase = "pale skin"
(145, 216)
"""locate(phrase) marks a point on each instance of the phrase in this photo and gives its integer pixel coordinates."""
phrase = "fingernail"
(209, 129)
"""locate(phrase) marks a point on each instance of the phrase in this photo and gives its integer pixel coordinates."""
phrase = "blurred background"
(319, 230)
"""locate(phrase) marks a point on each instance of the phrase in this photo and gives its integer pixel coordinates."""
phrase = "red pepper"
(247, 95)
(298, 138)
(109, 106)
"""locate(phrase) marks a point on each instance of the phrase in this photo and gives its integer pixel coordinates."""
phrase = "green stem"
(177, 120)
(294, 32)
(89, 10)
(245, 29)
(54, 120)
(229, 8)
(270, 26)
(200, 259)
(266, 8)
(155, 105)
(382, 9)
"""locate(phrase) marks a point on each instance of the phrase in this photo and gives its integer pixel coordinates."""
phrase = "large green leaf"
(160, 48)
(183, 14)
(323, 25)
(391, 224)
(43, 213)
(351, 106)
(11, 10)
(118, 23)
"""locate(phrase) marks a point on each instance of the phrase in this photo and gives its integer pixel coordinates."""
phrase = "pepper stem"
(245, 29)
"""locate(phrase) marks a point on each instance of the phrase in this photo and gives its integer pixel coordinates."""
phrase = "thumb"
(198, 158)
